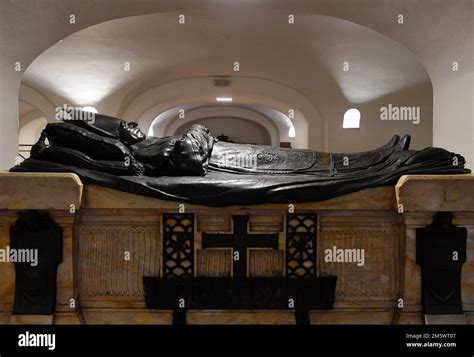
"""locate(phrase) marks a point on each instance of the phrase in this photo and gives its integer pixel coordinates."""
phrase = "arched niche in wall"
(31, 122)
(238, 130)
(165, 125)
(31, 131)
(38, 100)
(316, 113)
(245, 92)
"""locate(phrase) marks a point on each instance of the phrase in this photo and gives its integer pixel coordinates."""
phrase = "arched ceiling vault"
(88, 67)
(247, 92)
(169, 123)
(435, 43)
(330, 62)
(247, 131)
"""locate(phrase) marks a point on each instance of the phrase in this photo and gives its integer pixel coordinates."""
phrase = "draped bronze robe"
(197, 168)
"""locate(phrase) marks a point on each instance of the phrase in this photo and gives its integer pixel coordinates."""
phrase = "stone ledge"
(434, 193)
(33, 190)
(372, 199)
(57, 191)
(417, 193)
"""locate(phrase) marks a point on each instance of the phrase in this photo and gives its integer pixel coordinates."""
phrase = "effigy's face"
(130, 133)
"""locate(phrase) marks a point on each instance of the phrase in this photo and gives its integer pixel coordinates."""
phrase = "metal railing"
(24, 150)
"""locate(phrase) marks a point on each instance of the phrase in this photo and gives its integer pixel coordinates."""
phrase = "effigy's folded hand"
(192, 151)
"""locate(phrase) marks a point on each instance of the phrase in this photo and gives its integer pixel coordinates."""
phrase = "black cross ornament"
(240, 240)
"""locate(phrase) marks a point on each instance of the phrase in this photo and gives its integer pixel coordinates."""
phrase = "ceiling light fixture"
(224, 99)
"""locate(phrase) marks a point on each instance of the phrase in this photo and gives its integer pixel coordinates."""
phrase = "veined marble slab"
(37, 190)
(434, 193)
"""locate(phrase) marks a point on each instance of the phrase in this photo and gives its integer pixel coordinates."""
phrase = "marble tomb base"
(112, 239)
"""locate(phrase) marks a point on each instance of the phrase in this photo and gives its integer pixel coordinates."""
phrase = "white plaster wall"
(30, 132)
(374, 132)
(454, 115)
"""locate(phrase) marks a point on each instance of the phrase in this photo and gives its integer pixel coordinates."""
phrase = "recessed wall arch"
(29, 117)
(31, 131)
(170, 126)
(38, 100)
(246, 131)
(245, 91)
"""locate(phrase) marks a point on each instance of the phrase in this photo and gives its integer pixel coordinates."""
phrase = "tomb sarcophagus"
(132, 259)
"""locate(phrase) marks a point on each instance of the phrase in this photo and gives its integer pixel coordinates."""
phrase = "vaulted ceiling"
(88, 66)
(84, 64)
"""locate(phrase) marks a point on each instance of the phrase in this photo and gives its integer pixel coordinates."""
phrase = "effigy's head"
(130, 133)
